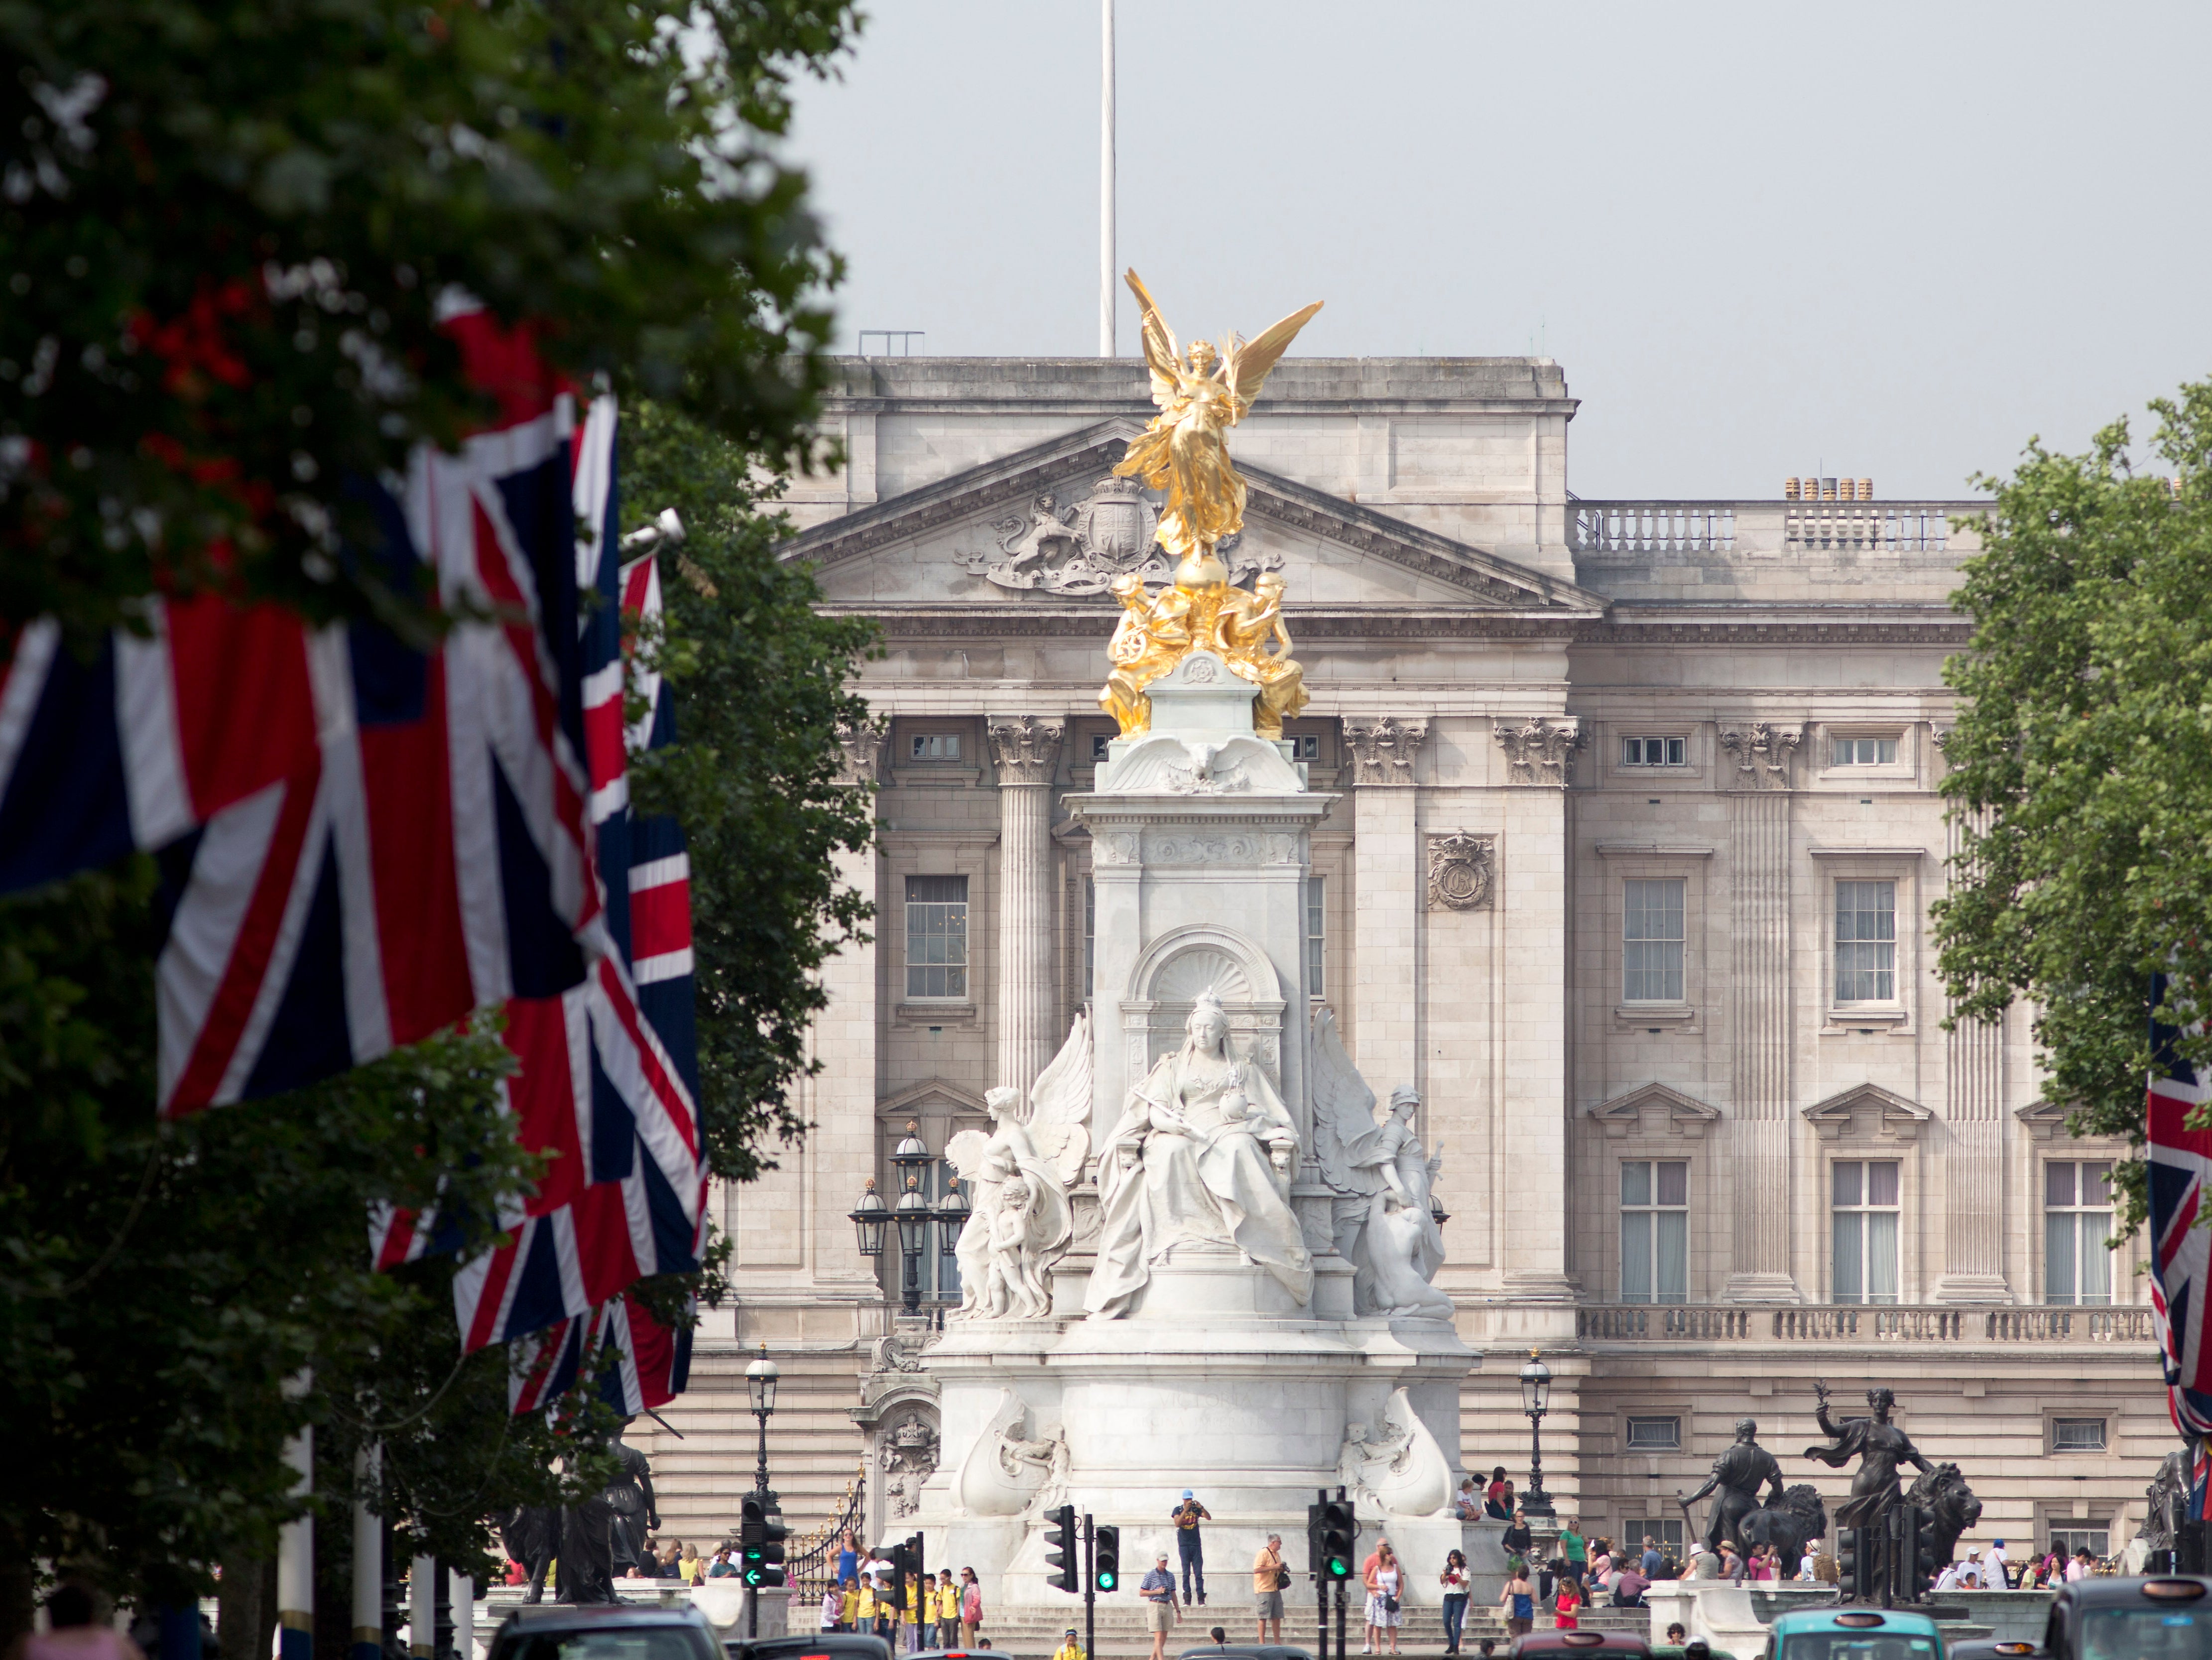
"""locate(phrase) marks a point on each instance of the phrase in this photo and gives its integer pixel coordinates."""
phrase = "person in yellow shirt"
(911, 1615)
(1069, 1648)
(948, 1611)
(849, 1606)
(865, 1610)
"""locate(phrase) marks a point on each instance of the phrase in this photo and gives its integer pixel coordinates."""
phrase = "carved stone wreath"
(1461, 872)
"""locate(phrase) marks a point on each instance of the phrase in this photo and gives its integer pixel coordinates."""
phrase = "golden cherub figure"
(1200, 397)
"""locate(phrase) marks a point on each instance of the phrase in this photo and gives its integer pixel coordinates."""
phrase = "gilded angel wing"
(1060, 1104)
(1162, 356)
(1250, 361)
(1344, 1110)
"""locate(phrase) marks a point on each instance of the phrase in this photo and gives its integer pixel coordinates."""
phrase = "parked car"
(1989, 1648)
(1245, 1651)
(813, 1645)
(1580, 1642)
(623, 1631)
(2161, 1617)
(1854, 1633)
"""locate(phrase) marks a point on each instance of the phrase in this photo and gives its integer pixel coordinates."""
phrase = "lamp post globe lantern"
(952, 1213)
(912, 1154)
(868, 1218)
(1535, 1401)
(760, 1384)
(913, 1215)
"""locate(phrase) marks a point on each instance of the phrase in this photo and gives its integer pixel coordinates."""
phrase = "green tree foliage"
(159, 1282)
(2080, 769)
(227, 227)
(760, 683)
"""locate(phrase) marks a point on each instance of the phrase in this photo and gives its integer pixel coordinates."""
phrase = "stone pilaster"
(1390, 890)
(1759, 1010)
(1027, 752)
(1973, 1150)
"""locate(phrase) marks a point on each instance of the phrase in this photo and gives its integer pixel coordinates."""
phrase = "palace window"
(936, 936)
(1090, 936)
(1865, 1213)
(1306, 747)
(1651, 941)
(2077, 1218)
(1862, 751)
(1664, 1531)
(1099, 740)
(2078, 1435)
(934, 746)
(1865, 942)
(1654, 1231)
(2098, 1542)
(1652, 1435)
(1316, 934)
(1655, 751)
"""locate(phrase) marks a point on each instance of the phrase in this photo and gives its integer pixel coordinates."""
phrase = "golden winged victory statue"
(1201, 394)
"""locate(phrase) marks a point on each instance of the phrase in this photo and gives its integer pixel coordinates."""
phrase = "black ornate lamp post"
(868, 1217)
(1535, 1401)
(760, 1384)
(952, 1213)
(912, 1213)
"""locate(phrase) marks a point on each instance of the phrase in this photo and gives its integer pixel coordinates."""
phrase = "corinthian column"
(1027, 752)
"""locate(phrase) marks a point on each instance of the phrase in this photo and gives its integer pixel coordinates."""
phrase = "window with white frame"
(1655, 1435)
(1664, 1531)
(1306, 747)
(1862, 751)
(2078, 1435)
(937, 936)
(2077, 1220)
(1655, 751)
(1865, 942)
(1651, 941)
(1090, 936)
(934, 746)
(1865, 1212)
(1654, 1231)
(2098, 1542)
(1316, 934)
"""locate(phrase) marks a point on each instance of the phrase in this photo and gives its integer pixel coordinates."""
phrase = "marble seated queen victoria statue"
(1203, 1154)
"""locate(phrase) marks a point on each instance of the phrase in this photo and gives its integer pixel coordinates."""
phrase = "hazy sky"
(1884, 240)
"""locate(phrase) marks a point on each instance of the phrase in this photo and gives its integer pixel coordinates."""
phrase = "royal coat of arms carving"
(1076, 550)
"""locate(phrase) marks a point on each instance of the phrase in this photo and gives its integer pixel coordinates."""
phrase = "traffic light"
(1107, 1560)
(1060, 1552)
(1338, 1530)
(1850, 1564)
(760, 1533)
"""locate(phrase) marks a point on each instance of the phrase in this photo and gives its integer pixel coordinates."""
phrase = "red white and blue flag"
(645, 1363)
(607, 1071)
(2180, 1157)
(361, 842)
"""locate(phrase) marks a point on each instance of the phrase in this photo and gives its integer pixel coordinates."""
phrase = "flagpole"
(1106, 180)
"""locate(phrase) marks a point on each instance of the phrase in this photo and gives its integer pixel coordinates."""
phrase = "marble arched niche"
(1183, 962)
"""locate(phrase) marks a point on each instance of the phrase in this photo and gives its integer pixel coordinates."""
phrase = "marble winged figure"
(1201, 394)
(1202, 1155)
(1380, 1178)
(1020, 1219)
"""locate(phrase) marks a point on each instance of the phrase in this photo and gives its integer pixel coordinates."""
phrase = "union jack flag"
(362, 843)
(2181, 1246)
(647, 1365)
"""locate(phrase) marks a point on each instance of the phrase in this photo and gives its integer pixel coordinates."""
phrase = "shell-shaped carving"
(1202, 968)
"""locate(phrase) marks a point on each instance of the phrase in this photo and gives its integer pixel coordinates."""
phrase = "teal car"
(1854, 1633)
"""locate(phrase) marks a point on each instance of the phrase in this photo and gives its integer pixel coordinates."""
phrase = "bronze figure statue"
(1881, 1448)
(1738, 1475)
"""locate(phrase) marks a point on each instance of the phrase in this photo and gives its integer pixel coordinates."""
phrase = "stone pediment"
(1867, 1112)
(1036, 526)
(1655, 1108)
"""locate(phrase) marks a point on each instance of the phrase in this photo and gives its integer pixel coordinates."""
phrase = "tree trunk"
(246, 1608)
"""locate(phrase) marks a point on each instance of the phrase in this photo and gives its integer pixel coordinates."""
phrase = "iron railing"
(1838, 1322)
(810, 1565)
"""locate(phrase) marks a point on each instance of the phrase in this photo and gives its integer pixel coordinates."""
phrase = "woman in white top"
(1384, 1584)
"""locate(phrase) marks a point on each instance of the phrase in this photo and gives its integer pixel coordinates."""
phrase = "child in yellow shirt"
(848, 1609)
(1069, 1648)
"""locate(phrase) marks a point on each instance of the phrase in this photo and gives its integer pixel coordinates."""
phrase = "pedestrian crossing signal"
(1106, 1562)
(1338, 1530)
(1066, 1567)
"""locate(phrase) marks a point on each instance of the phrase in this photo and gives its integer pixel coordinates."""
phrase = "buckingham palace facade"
(1635, 828)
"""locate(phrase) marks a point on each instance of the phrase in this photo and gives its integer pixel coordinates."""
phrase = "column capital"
(863, 743)
(1026, 748)
(1384, 748)
(1540, 751)
(1763, 751)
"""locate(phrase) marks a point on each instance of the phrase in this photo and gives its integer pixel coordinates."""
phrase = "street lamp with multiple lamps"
(1535, 1401)
(913, 1214)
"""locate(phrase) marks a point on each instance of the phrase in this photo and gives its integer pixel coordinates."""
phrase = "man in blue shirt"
(1652, 1561)
(1158, 1592)
(1187, 1516)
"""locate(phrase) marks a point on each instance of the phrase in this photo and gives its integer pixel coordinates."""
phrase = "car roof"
(563, 1617)
(849, 1645)
(1825, 1620)
(1992, 1648)
(1250, 1651)
(1579, 1641)
(2118, 1590)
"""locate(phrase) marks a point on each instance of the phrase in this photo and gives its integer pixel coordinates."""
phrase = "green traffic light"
(1339, 1568)
(1106, 1580)
(752, 1577)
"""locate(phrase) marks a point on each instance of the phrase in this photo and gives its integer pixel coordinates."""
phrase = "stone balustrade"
(1641, 529)
(1682, 1322)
